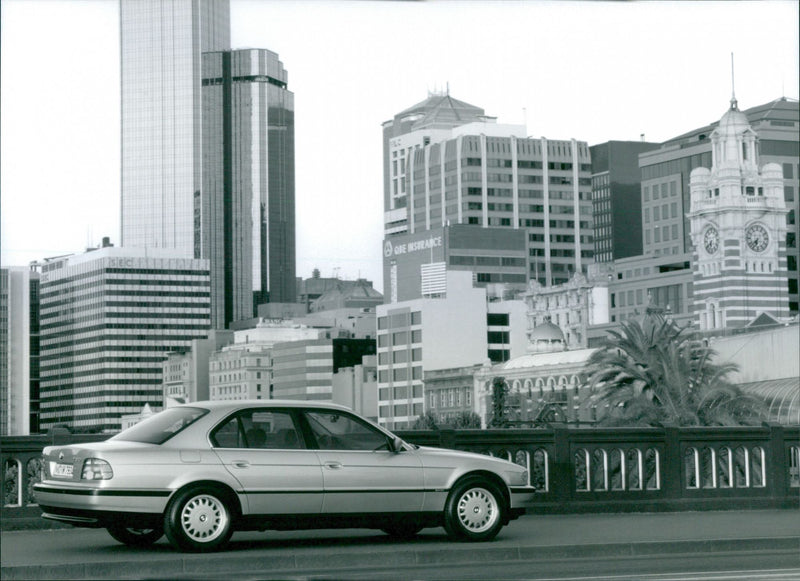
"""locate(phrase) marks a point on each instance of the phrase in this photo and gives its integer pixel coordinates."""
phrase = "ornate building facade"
(738, 230)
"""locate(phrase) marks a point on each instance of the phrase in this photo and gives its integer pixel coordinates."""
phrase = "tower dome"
(546, 338)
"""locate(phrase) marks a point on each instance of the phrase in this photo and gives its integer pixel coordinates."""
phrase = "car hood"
(441, 455)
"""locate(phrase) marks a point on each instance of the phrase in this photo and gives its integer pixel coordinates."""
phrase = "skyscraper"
(162, 42)
(208, 151)
(246, 208)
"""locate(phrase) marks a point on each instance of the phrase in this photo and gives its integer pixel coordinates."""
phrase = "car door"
(360, 472)
(266, 453)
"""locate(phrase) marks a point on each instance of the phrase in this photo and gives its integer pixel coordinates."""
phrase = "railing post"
(671, 476)
(562, 482)
(777, 467)
(447, 439)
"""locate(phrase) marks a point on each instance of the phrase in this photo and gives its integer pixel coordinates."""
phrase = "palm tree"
(654, 372)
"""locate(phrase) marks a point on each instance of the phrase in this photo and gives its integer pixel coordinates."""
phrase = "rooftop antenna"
(734, 104)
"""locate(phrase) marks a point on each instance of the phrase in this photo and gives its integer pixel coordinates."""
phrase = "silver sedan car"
(198, 472)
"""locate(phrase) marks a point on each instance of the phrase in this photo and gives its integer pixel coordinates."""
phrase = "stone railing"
(644, 469)
(572, 469)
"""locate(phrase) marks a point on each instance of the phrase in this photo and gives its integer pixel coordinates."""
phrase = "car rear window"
(162, 426)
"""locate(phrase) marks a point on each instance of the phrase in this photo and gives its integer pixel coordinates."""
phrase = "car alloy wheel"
(474, 510)
(198, 520)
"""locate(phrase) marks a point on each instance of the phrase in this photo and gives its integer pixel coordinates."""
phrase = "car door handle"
(333, 465)
(241, 463)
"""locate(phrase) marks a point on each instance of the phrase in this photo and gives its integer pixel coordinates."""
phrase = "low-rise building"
(356, 387)
(459, 327)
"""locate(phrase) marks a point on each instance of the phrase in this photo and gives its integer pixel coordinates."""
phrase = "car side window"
(258, 429)
(336, 431)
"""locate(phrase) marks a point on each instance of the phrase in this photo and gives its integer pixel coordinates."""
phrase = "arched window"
(540, 473)
(724, 465)
(794, 466)
(634, 469)
(12, 483)
(741, 467)
(617, 469)
(757, 468)
(599, 470)
(581, 470)
(707, 463)
(652, 467)
(691, 468)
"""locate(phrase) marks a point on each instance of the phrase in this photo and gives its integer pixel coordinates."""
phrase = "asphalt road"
(533, 547)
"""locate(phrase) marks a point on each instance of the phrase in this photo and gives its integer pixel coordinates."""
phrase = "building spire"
(734, 103)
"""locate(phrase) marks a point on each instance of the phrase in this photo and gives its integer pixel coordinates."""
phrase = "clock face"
(757, 238)
(711, 240)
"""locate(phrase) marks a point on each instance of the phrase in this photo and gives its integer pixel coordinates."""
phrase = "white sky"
(593, 71)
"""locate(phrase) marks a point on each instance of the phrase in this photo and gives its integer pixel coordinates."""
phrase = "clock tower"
(738, 229)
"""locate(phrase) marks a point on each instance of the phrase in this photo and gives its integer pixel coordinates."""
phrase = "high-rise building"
(161, 44)
(208, 151)
(617, 199)
(246, 208)
(109, 317)
(19, 351)
(665, 181)
(479, 173)
(424, 123)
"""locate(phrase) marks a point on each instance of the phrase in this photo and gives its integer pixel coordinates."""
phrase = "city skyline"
(582, 80)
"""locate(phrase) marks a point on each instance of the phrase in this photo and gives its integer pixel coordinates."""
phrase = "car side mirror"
(396, 445)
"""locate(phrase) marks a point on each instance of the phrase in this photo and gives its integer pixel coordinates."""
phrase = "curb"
(184, 566)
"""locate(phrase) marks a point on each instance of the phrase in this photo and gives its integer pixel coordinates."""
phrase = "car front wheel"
(135, 537)
(198, 520)
(474, 510)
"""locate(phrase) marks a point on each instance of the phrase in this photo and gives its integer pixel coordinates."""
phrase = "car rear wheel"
(135, 537)
(474, 510)
(198, 520)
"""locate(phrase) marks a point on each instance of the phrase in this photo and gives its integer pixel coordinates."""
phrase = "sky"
(592, 71)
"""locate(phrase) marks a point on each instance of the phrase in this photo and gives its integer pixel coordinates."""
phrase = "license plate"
(62, 470)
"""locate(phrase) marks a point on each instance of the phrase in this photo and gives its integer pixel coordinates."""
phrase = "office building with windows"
(161, 47)
(305, 369)
(456, 328)
(617, 199)
(415, 264)
(487, 175)
(246, 208)
(19, 351)
(109, 317)
(665, 179)
(208, 151)
(185, 373)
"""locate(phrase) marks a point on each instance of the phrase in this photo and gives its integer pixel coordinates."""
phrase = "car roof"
(264, 403)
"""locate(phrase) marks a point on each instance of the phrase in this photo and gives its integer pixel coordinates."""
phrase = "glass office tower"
(246, 209)
(161, 46)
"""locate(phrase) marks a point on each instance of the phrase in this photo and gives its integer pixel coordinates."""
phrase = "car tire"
(135, 537)
(474, 511)
(199, 520)
(402, 530)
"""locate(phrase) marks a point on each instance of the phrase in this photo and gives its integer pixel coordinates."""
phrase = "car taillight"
(96, 469)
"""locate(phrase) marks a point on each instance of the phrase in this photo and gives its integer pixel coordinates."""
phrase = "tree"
(499, 395)
(426, 421)
(654, 372)
(466, 420)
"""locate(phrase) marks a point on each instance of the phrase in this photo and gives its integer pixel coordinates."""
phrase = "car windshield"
(162, 426)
